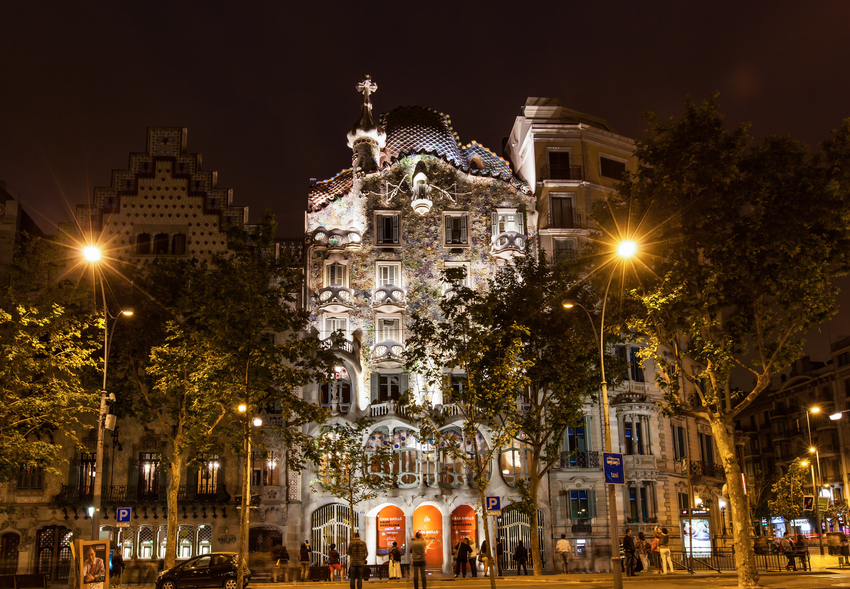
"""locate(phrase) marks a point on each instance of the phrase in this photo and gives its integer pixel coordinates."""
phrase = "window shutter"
(403, 383)
(379, 226)
(463, 220)
(375, 376)
(588, 434)
(591, 500)
(448, 236)
(395, 228)
(133, 478)
(192, 476)
(520, 222)
(494, 220)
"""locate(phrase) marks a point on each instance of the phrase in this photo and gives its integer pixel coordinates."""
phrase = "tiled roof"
(325, 191)
(415, 129)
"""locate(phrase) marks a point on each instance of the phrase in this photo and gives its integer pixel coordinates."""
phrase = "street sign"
(808, 502)
(613, 467)
(493, 505)
(823, 503)
(122, 515)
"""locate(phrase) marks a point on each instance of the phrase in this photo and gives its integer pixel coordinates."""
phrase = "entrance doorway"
(53, 552)
(513, 527)
(331, 524)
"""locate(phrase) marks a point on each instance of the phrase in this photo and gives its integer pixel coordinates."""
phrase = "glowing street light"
(626, 249)
(91, 253)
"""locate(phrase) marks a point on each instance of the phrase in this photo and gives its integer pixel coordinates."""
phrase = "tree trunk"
(745, 561)
(491, 548)
(533, 486)
(177, 462)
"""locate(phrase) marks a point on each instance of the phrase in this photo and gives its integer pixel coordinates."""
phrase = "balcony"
(387, 408)
(342, 344)
(119, 494)
(337, 239)
(640, 462)
(565, 220)
(204, 494)
(388, 354)
(335, 299)
(508, 244)
(582, 528)
(700, 469)
(580, 460)
(562, 172)
(389, 299)
(622, 397)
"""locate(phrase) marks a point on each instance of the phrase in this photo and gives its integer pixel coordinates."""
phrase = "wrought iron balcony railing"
(562, 172)
(585, 459)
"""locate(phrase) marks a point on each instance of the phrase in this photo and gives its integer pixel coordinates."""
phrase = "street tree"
(788, 493)
(740, 243)
(352, 466)
(488, 357)
(562, 365)
(49, 336)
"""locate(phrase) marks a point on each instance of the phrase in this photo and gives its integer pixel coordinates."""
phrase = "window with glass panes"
(86, 475)
(335, 274)
(563, 248)
(335, 324)
(611, 168)
(148, 475)
(577, 441)
(582, 503)
(387, 228)
(456, 228)
(31, 477)
(680, 447)
(265, 468)
(388, 329)
(209, 466)
(388, 275)
(684, 503)
(634, 435)
(561, 211)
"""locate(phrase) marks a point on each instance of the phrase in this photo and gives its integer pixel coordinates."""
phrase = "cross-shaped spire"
(367, 87)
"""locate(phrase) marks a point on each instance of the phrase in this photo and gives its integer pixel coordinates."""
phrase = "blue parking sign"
(612, 464)
(122, 515)
(493, 503)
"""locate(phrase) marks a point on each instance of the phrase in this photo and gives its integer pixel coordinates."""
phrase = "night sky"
(266, 89)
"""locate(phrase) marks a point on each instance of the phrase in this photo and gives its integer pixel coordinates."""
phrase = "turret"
(366, 138)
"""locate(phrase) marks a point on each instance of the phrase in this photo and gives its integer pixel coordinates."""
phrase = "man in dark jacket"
(629, 552)
(462, 549)
(418, 548)
(357, 554)
(521, 558)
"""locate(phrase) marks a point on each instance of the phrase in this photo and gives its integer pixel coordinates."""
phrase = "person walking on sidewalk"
(521, 558)
(357, 554)
(500, 551)
(304, 559)
(629, 552)
(417, 559)
(473, 553)
(564, 549)
(664, 550)
(462, 550)
(333, 562)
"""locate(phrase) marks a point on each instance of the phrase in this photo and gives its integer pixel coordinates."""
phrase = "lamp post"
(625, 249)
(244, 519)
(815, 490)
(92, 255)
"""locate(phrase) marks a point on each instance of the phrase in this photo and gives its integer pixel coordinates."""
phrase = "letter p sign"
(122, 515)
(492, 503)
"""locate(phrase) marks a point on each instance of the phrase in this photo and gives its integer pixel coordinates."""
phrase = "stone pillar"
(370, 535)
(447, 544)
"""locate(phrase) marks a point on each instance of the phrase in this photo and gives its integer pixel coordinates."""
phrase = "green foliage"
(788, 493)
(344, 466)
(48, 337)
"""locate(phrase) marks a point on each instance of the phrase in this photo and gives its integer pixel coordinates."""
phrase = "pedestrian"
(417, 559)
(629, 552)
(786, 547)
(461, 550)
(801, 550)
(664, 550)
(357, 554)
(564, 549)
(654, 557)
(281, 563)
(473, 554)
(642, 549)
(521, 558)
(394, 567)
(304, 559)
(484, 557)
(500, 551)
(117, 568)
(333, 562)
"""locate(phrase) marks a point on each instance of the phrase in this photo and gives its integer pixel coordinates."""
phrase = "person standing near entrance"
(417, 559)
(394, 566)
(500, 550)
(304, 559)
(564, 549)
(118, 568)
(521, 558)
(664, 549)
(462, 550)
(357, 554)
(629, 552)
(333, 562)
(473, 553)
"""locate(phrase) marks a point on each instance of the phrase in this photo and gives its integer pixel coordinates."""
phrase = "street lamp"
(813, 450)
(92, 255)
(246, 492)
(625, 249)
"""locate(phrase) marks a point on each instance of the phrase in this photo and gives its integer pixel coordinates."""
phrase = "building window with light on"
(265, 468)
(31, 477)
(582, 503)
(514, 464)
(388, 387)
(505, 221)
(209, 470)
(86, 473)
(148, 476)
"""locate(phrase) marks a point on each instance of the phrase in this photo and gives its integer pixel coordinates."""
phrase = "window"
(466, 282)
(844, 358)
(706, 446)
(456, 229)
(641, 503)
(145, 542)
(577, 441)
(336, 274)
(178, 244)
(563, 248)
(680, 448)
(388, 274)
(514, 464)
(204, 539)
(160, 244)
(683, 501)
(387, 228)
(561, 212)
(388, 329)
(143, 244)
(559, 166)
(209, 467)
(265, 468)
(148, 480)
(185, 542)
(405, 459)
(389, 387)
(451, 462)
(633, 435)
(507, 221)
(635, 365)
(31, 477)
(87, 471)
(611, 168)
(582, 504)
(342, 390)
(336, 324)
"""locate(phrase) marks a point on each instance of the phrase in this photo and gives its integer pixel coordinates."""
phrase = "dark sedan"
(209, 570)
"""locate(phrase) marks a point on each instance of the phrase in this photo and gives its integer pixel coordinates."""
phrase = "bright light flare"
(815, 409)
(835, 416)
(242, 408)
(258, 422)
(91, 253)
(127, 312)
(804, 463)
(568, 303)
(812, 450)
(626, 249)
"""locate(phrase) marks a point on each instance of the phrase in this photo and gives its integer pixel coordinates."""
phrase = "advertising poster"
(463, 524)
(696, 536)
(428, 520)
(92, 559)
(390, 529)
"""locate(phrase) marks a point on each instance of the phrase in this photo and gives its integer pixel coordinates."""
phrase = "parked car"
(217, 569)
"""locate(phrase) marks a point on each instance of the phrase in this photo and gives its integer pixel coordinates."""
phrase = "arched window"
(204, 539)
(145, 544)
(451, 462)
(185, 541)
(143, 243)
(162, 541)
(9, 553)
(515, 460)
(379, 439)
(479, 446)
(160, 244)
(178, 244)
(405, 459)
